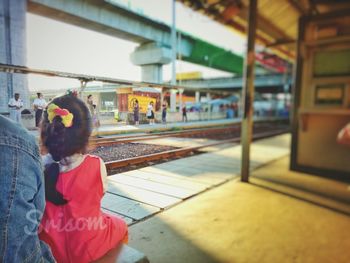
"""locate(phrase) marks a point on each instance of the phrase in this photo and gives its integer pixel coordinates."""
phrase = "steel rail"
(95, 142)
(181, 152)
(152, 136)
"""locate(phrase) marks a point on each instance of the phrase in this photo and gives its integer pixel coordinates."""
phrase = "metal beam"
(282, 42)
(332, 2)
(242, 28)
(265, 25)
(313, 7)
(248, 92)
(275, 80)
(298, 6)
(83, 78)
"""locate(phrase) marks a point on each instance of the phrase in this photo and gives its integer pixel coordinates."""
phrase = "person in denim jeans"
(22, 198)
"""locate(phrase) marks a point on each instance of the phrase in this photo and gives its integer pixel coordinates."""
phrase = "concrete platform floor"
(239, 222)
(140, 194)
(106, 130)
(186, 142)
(123, 129)
(322, 191)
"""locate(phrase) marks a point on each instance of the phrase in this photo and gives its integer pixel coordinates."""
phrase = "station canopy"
(147, 89)
(277, 22)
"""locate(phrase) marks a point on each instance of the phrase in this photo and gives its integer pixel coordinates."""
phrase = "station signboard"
(330, 94)
(189, 75)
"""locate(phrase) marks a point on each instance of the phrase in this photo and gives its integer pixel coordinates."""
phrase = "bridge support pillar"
(209, 105)
(151, 57)
(173, 100)
(198, 96)
(152, 73)
(13, 50)
(181, 104)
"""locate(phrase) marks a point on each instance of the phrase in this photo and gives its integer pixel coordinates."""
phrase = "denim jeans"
(22, 198)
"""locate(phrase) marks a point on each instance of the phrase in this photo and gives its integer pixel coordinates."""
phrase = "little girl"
(73, 224)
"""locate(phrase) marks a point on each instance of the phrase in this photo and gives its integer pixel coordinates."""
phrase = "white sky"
(58, 46)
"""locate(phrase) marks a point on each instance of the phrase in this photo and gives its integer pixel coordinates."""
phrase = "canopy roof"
(277, 23)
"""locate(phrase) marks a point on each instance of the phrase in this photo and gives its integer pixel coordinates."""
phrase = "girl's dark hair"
(62, 142)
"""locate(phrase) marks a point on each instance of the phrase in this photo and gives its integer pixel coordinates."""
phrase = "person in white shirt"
(15, 104)
(39, 105)
(150, 113)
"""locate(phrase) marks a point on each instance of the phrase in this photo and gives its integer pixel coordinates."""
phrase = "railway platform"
(122, 128)
(106, 130)
(240, 222)
(195, 209)
(141, 193)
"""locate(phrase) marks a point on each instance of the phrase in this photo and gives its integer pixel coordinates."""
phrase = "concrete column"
(208, 96)
(181, 91)
(99, 102)
(209, 107)
(161, 98)
(152, 73)
(82, 88)
(274, 105)
(173, 100)
(286, 92)
(151, 57)
(198, 96)
(13, 50)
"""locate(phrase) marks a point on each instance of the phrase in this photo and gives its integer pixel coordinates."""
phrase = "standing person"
(230, 112)
(184, 114)
(96, 119)
(73, 224)
(235, 109)
(22, 199)
(15, 104)
(39, 105)
(164, 113)
(90, 104)
(136, 112)
(150, 113)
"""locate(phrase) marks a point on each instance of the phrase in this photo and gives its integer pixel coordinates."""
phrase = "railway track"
(133, 138)
(182, 151)
(95, 142)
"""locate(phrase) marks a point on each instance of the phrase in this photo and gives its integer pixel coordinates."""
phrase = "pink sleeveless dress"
(79, 231)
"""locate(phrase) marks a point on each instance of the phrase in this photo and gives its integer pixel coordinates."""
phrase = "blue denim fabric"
(22, 198)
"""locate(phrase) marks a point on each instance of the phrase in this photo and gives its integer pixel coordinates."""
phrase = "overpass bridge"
(154, 37)
(273, 83)
(109, 18)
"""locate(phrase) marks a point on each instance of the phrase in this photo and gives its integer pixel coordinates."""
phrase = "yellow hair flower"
(67, 118)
